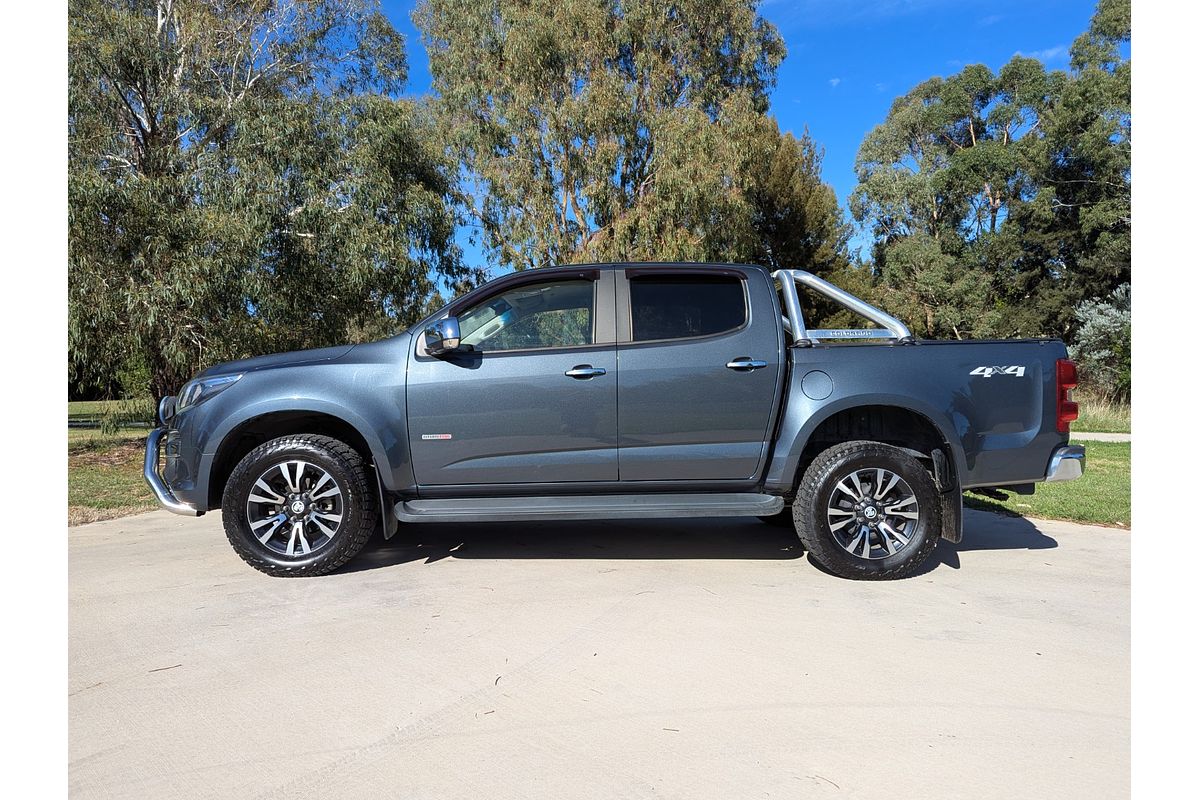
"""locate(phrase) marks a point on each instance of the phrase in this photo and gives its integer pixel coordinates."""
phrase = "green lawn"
(78, 408)
(104, 475)
(1100, 496)
(111, 414)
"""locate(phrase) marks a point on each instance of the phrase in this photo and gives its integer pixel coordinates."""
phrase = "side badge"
(428, 436)
(988, 372)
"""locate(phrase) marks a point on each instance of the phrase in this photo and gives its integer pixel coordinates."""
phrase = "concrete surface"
(1101, 437)
(686, 659)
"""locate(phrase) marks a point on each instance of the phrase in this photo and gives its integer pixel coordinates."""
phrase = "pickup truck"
(616, 391)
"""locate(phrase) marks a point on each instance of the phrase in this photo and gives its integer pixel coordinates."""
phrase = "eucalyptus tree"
(1074, 234)
(605, 129)
(937, 179)
(999, 201)
(242, 178)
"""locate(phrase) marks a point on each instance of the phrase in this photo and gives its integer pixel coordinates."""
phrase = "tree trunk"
(164, 378)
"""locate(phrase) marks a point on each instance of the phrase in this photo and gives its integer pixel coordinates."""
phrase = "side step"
(574, 507)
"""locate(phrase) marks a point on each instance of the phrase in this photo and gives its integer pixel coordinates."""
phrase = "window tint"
(676, 307)
(552, 314)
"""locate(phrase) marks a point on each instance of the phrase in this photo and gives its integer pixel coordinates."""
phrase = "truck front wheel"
(868, 511)
(299, 505)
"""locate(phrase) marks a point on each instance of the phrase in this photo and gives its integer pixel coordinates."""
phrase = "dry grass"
(82, 515)
(104, 476)
(1098, 415)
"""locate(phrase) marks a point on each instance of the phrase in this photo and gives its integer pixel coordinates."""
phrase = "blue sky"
(848, 59)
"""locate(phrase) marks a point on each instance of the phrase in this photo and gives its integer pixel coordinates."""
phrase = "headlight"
(201, 389)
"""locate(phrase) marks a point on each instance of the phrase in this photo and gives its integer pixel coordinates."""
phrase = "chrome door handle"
(583, 372)
(746, 364)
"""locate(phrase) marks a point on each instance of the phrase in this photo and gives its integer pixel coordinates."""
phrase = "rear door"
(700, 372)
(533, 399)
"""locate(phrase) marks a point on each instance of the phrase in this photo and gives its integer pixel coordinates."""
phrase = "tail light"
(1067, 378)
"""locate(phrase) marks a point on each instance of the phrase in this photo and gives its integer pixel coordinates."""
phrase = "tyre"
(868, 511)
(783, 519)
(299, 505)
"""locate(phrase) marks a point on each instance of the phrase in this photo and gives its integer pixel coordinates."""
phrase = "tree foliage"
(1102, 346)
(598, 129)
(999, 201)
(242, 179)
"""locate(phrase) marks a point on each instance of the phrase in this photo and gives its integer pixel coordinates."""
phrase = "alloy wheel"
(295, 508)
(873, 513)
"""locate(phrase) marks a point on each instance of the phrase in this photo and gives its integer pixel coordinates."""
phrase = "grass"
(1097, 415)
(110, 415)
(1101, 496)
(82, 408)
(104, 475)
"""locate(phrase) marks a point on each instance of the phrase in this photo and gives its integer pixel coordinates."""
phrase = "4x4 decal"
(988, 372)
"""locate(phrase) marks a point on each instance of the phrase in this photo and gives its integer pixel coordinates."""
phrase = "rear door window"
(685, 306)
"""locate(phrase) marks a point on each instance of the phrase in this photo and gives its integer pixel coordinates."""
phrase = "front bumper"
(162, 492)
(1067, 463)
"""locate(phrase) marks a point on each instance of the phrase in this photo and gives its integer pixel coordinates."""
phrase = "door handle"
(584, 371)
(746, 364)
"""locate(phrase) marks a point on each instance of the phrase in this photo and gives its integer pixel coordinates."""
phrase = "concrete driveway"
(683, 659)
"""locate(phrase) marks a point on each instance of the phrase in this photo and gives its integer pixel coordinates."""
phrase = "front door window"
(544, 315)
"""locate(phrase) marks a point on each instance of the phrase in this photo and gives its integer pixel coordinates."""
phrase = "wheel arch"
(890, 420)
(895, 425)
(241, 436)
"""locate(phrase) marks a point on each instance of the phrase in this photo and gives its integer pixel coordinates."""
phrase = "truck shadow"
(711, 538)
(984, 530)
(638, 539)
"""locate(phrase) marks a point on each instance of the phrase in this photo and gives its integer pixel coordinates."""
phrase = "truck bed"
(993, 402)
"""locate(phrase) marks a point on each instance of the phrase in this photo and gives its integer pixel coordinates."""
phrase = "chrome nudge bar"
(162, 493)
(892, 328)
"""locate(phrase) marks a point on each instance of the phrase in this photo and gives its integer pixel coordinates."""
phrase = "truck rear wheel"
(299, 505)
(868, 511)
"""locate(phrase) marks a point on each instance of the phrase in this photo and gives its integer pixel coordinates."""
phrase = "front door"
(700, 365)
(531, 394)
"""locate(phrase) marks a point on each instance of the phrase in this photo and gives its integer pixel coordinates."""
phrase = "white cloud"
(1056, 53)
(990, 20)
(834, 82)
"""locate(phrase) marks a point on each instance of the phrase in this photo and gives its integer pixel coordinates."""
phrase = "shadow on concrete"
(983, 530)
(712, 538)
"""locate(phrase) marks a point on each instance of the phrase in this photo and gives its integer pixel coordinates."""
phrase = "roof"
(691, 265)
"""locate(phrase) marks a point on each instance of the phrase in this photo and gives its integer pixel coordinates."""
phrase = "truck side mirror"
(442, 336)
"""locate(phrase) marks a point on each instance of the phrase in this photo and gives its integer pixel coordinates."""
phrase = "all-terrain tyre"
(868, 511)
(300, 505)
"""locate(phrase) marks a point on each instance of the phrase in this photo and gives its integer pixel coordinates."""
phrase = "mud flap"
(951, 498)
(387, 514)
(952, 516)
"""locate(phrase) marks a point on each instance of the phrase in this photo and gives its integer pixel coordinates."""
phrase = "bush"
(1102, 347)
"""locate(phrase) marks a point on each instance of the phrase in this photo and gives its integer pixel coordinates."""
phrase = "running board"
(613, 506)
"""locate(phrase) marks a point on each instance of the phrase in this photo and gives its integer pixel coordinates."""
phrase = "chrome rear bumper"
(1067, 463)
(162, 492)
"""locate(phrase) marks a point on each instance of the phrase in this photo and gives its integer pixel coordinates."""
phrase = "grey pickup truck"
(617, 391)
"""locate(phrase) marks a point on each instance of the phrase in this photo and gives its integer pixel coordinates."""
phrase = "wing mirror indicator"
(442, 336)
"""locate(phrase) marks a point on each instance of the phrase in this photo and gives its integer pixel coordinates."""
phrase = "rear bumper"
(1067, 463)
(162, 493)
